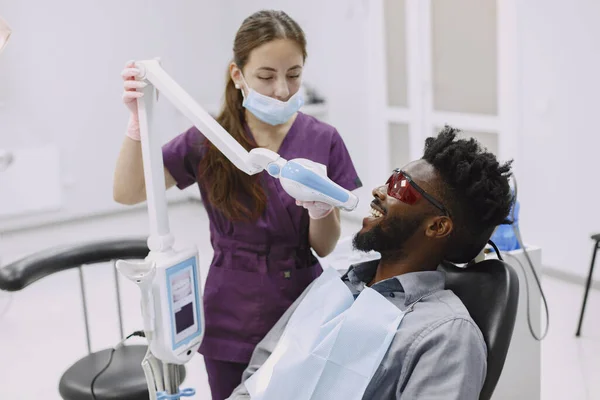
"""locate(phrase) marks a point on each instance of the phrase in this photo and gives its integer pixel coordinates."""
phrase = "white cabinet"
(521, 376)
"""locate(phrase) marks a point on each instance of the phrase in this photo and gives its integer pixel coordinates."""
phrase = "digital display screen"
(184, 318)
(183, 296)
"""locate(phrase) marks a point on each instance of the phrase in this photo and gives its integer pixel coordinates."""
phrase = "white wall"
(60, 81)
(560, 135)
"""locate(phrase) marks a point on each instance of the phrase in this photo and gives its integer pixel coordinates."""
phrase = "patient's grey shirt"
(438, 351)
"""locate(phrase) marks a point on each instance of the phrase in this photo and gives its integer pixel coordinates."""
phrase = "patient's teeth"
(376, 213)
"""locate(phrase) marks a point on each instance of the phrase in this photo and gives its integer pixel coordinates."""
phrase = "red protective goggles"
(402, 187)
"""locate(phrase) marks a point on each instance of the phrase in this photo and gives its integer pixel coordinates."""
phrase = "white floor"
(42, 331)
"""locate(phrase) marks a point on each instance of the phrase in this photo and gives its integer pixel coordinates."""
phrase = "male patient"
(444, 206)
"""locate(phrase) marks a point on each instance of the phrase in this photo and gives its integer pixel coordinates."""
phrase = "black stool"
(596, 239)
(124, 378)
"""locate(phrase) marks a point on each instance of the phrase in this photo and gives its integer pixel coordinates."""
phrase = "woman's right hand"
(130, 84)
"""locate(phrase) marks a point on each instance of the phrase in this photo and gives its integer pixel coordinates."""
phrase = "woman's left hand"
(316, 209)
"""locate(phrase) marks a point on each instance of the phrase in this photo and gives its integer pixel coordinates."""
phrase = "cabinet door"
(463, 59)
(440, 65)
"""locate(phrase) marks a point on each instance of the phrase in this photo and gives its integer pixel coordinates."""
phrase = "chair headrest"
(23, 272)
(490, 292)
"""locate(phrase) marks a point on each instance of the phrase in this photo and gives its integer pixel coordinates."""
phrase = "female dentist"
(262, 237)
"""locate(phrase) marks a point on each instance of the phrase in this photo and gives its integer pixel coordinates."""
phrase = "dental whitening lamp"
(169, 279)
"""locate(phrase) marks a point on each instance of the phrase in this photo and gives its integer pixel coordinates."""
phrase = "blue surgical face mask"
(270, 110)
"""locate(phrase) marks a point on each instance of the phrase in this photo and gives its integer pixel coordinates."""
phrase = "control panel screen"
(183, 299)
(183, 302)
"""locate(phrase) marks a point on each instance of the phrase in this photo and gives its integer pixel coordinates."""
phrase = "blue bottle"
(504, 236)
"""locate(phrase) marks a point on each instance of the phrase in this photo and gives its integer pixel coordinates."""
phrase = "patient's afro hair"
(476, 191)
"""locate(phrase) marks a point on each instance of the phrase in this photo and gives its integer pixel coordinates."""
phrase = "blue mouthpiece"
(299, 173)
(189, 392)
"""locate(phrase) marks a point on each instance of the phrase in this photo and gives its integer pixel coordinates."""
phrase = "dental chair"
(124, 378)
(490, 291)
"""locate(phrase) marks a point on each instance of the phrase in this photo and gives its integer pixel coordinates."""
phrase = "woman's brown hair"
(227, 186)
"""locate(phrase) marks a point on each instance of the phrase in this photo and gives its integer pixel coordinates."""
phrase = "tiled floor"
(42, 331)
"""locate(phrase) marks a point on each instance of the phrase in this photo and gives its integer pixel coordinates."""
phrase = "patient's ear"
(439, 227)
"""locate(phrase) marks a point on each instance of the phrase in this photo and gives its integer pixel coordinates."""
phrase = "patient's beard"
(389, 236)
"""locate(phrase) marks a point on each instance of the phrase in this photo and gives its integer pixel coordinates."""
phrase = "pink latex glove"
(130, 96)
(5, 32)
(316, 209)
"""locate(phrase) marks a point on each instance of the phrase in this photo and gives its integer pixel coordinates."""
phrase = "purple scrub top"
(259, 268)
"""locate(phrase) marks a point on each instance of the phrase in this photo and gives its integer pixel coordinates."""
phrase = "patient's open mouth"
(376, 211)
